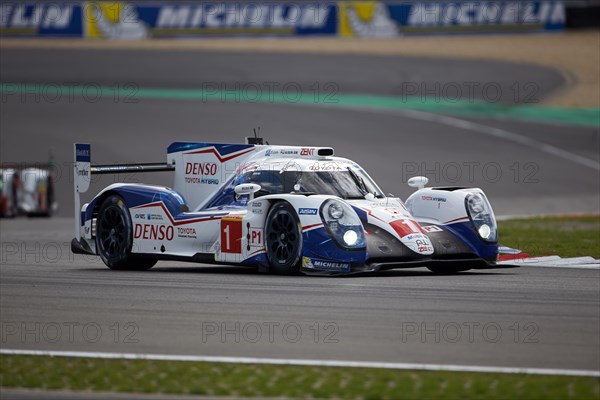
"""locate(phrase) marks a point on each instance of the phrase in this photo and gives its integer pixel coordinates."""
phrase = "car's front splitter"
(374, 265)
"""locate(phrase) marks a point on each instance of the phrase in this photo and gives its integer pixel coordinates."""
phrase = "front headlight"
(343, 224)
(482, 217)
(350, 238)
(335, 210)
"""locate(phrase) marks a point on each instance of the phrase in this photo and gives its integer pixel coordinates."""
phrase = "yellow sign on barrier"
(365, 19)
(113, 20)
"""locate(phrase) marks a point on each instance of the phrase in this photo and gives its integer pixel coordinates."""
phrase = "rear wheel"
(283, 239)
(114, 237)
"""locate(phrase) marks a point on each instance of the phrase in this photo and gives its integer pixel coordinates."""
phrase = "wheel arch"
(101, 198)
(136, 194)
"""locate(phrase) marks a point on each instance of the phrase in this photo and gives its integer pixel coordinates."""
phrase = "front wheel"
(114, 237)
(283, 239)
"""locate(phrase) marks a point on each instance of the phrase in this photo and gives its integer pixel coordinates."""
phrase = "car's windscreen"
(347, 184)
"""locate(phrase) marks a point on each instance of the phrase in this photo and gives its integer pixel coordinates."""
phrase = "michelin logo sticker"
(312, 263)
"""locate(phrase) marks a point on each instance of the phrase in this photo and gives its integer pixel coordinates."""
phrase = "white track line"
(490, 131)
(511, 136)
(486, 130)
(555, 262)
(300, 362)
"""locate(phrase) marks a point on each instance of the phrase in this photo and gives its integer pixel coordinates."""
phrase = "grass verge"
(235, 380)
(563, 236)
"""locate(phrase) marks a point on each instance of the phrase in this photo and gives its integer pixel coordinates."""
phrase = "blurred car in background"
(28, 191)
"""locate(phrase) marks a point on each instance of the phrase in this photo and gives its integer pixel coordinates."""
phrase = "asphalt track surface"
(532, 317)
(528, 317)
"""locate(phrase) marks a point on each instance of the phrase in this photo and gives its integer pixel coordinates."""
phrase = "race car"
(27, 191)
(281, 209)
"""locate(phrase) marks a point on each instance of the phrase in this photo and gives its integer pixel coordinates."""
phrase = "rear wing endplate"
(83, 171)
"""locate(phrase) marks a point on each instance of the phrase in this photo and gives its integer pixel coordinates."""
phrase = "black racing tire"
(283, 239)
(114, 237)
(447, 270)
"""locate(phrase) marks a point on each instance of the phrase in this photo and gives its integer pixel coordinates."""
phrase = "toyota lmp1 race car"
(283, 209)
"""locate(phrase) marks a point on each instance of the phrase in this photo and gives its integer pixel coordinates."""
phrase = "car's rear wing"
(83, 171)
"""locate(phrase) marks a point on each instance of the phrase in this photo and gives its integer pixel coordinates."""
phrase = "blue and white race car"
(283, 209)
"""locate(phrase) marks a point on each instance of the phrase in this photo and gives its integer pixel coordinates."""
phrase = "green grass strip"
(292, 94)
(235, 380)
(563, 236)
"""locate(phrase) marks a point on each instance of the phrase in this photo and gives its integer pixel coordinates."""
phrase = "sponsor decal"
(201, 173)
(326, 166)
(366, 19)
(325, 265)
(41, 19)
(257, 204)
(432, 228)
(231, 235)
(422, 244)
(406, 227)
(139, 216)
(206, 168)
(383, 19)
(415, 237)
(83, 153)
(255, 237)
(256, 18)
(155, 217)
(307, 211)
(201, 181)
(82, 165)
(137, 20)
(307, 151)
(431, 198)
(189, 233)
(289, 152)
(153, 232)
(115, 20)
(124, 20)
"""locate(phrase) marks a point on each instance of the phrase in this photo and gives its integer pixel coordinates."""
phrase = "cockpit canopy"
(345, 180)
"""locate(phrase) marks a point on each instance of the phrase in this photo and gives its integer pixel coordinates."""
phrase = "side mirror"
(247, 188)
(418, 182)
